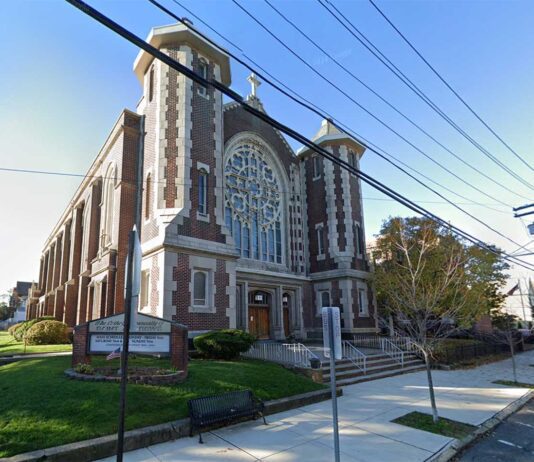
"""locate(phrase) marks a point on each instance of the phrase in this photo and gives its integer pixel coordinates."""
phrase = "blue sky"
(66, 78)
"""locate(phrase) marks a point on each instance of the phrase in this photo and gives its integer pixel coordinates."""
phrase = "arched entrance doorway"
(258, 314)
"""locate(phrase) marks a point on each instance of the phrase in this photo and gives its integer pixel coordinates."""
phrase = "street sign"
(336, 328)
(332, 339)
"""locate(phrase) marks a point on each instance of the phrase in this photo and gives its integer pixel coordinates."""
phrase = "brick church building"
(238, 230)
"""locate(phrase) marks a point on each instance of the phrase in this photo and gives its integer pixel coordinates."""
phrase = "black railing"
(451, 354)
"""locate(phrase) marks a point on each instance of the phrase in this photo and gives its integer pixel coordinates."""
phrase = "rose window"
(253, 203)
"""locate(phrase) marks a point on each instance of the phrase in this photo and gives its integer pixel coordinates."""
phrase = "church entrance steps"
(380, 375)
(378, 366)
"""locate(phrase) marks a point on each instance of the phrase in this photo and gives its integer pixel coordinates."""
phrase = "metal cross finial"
(254, 83)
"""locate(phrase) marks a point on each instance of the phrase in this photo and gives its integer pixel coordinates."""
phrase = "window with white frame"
(200, 288)
(325, 298)
(203, 72)
(363, 302)
(320, 239)
(108, 206)
(317, 164)
(145, 289)
(203, 192)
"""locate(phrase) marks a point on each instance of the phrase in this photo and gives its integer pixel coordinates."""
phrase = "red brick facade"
(189, 133)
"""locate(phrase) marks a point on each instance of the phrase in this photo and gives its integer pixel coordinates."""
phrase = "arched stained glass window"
(253, 202)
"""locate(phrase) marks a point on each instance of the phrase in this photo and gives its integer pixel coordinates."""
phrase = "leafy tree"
(432, 284)
(6, 311)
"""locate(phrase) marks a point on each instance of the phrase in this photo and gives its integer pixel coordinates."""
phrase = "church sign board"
(148, 335)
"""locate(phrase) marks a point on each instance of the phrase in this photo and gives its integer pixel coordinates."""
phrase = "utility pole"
(524, 214)
(130, 300)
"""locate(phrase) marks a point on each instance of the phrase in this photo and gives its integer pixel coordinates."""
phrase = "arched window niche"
(255, 206)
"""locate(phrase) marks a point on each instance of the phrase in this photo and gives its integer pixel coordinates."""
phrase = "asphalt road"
(512, 440)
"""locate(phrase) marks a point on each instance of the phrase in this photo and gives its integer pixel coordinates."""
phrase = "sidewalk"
(365, 414)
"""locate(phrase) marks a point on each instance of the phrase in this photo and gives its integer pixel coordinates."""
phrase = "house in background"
(18, 301)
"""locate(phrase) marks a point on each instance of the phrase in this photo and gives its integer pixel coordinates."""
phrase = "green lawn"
(41, 408)
(445, 427)
(9, 346)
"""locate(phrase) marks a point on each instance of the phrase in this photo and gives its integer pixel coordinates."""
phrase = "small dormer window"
(203, 72)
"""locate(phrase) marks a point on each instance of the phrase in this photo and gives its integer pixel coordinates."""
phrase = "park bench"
(222, 409)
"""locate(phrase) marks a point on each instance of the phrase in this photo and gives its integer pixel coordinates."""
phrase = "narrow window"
(148, 196)
(237, 235)
(320, 240)
(200, 280)
(357, 238)
(203, 192)
(316, 167)
(151, 84)
(145, 288)
(362, 301)
(246, 241)
(352, 159)
(325, 298)
(203, 72)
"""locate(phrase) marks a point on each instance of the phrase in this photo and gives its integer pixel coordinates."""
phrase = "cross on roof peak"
(254, 83)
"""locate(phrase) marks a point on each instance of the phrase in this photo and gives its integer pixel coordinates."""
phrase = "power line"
(187, 23)
(360, 37)
(283, 128)
(195, 183)
(388, 103)
(304, 102)
(363, 108)
(433, 69)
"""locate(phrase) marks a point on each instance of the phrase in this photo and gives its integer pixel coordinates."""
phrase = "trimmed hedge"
(224, 344)
(11, 330)
(24, 326)
(47, 333)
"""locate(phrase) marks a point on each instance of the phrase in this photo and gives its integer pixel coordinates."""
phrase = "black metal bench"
(210, 410)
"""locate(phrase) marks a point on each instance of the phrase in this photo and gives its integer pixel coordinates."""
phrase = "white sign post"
(332, 350)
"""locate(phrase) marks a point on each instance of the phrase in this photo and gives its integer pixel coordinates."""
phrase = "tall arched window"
(151, 84)
(203, 72)
(148, 196)
(203, 192)
(253, 202)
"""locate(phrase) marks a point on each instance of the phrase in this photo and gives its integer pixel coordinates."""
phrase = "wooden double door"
(258, 321)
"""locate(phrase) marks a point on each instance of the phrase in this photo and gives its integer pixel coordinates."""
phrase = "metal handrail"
(392, 350)
(295, 354)
(350, 352)
(366, 341)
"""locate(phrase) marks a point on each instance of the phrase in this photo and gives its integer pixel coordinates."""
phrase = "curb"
(455, 446)
(105, 446)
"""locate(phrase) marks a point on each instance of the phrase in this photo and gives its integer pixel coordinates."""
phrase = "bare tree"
(420, 279)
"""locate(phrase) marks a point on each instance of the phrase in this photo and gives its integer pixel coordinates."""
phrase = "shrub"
(20, 332)
(82, 368)
(11, 330)
(47, 333)
(224, 344)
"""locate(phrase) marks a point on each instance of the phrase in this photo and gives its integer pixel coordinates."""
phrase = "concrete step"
(371, 362)
(379, 375)
(356, 372)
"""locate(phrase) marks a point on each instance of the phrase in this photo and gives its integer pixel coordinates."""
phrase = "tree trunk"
(511, 338)
(435, 416)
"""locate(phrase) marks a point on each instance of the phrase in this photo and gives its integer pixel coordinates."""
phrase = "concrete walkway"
(365, 414)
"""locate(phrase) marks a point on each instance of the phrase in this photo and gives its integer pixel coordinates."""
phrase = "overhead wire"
(361, 38)
(388, 103)
(448, 85)
(304, 102)
(206, 82)
(363, 108)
